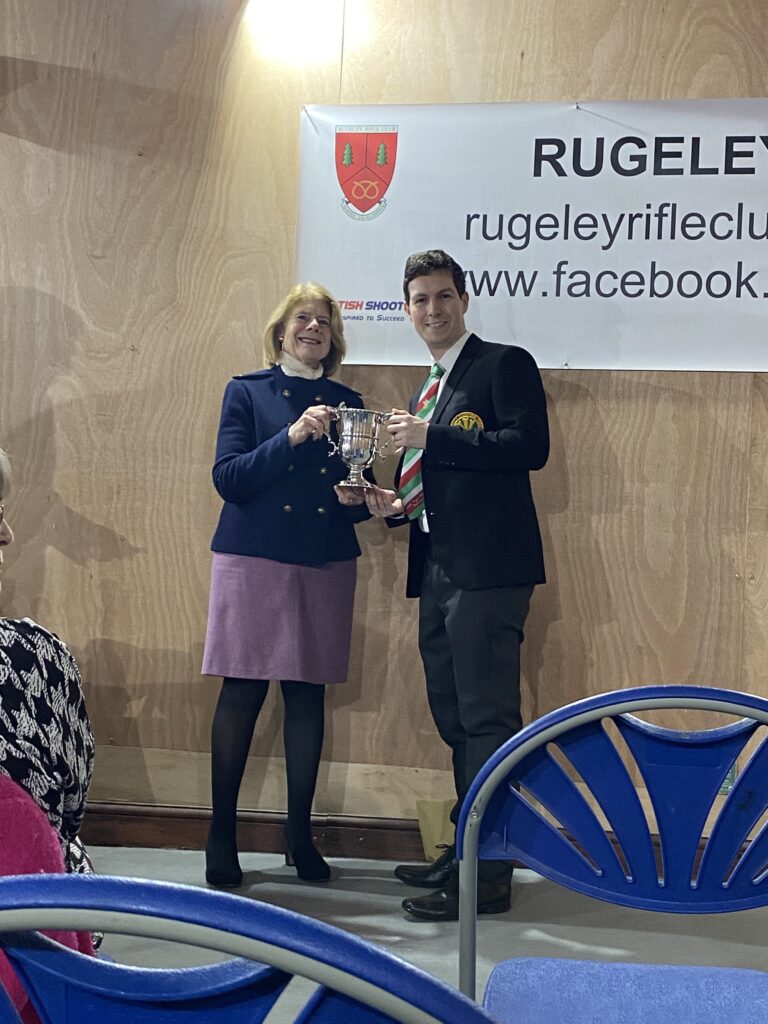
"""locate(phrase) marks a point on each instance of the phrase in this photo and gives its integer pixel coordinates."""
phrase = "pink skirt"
(271, 620)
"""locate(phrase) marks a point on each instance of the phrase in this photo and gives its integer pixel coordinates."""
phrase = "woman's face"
(6, 534)
(307, 333)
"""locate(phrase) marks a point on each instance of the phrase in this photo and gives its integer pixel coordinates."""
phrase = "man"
(471, 436)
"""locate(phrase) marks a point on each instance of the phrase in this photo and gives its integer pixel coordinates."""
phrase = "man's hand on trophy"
(407, 431)
(383, 503)
(350, 496)
(313, 423)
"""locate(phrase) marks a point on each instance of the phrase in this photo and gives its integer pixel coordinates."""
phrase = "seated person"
(46, 751)
(29, 845)
(46, 744)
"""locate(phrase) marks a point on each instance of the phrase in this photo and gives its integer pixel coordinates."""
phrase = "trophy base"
(355, 480)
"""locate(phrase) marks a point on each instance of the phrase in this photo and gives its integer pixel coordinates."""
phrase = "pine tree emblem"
(381, 156)
(346, 158)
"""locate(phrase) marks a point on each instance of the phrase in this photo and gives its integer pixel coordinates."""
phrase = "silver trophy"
(358, 446)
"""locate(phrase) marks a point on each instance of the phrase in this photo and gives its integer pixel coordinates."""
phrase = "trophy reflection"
(358, 432)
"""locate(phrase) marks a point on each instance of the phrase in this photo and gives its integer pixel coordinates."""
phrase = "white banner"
(596, 235)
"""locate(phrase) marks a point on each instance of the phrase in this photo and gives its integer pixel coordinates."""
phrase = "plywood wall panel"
(148, 197)
(536, 50)
(755, 572)
(642, 505)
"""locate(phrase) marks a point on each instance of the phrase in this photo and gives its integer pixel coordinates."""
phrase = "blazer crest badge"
(467, 421)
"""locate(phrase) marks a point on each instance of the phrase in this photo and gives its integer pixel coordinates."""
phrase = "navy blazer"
(488, 430)
(279, 501)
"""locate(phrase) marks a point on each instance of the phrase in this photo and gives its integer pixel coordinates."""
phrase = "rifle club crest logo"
(365, 164)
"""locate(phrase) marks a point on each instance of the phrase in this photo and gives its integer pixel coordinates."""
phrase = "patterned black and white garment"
(46, 744)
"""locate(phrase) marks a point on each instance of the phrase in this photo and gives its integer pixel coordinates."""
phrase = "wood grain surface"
(148, 183)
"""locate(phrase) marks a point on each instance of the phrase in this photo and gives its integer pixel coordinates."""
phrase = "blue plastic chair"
(583, 751)
(358, 982)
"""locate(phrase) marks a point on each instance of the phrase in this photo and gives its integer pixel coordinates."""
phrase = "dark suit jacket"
(482, 520)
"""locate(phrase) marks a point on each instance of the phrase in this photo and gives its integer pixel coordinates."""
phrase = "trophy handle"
(379, 452)
(334, 448)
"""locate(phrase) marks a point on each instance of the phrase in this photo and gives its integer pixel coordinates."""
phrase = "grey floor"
(363, 897)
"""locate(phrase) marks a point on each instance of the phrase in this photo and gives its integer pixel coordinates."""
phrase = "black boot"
(239, 704)
(306, 858)
(222, 869)
(303, 737)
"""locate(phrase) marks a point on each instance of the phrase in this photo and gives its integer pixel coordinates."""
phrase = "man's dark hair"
(430, 262)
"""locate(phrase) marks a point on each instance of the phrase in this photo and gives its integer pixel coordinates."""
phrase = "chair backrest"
(357, 981)
(679, 851)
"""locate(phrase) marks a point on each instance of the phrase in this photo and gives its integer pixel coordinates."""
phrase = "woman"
(46, 744)
(284, 569)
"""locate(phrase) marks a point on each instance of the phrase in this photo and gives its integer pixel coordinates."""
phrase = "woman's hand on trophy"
(406, 430)
(350, 496)
(382, 503)
(313, 423)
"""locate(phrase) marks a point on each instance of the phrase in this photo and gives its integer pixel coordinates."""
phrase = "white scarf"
(293, 367)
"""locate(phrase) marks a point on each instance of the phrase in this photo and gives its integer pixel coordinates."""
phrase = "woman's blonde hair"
(273, 335)
(5, 473)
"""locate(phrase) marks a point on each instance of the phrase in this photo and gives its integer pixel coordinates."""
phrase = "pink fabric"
(29, 845)
(274, 620)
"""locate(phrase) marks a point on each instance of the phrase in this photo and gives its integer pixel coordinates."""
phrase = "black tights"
(240, 702)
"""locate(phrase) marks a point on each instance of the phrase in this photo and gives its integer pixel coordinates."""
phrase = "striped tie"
(411, 489)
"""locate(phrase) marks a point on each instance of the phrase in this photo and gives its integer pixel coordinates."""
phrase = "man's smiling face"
(437, 310)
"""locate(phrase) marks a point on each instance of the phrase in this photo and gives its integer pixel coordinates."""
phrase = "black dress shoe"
(443, 905)
(430, 876)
